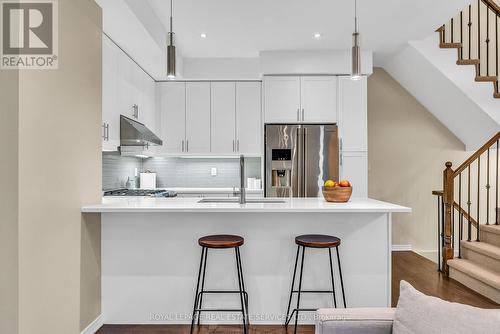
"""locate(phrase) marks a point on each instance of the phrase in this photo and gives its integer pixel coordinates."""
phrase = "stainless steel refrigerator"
(299, 158)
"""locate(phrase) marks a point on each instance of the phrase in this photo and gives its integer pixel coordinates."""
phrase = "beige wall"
(8, 200)
(407, 150)
(60, 170)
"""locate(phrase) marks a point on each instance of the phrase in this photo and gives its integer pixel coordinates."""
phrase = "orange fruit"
(344, 183)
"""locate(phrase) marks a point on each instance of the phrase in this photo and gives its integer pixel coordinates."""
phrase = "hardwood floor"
(423, 275)
(409, 266)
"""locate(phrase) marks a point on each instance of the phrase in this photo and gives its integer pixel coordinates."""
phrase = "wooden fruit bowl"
(337, 194)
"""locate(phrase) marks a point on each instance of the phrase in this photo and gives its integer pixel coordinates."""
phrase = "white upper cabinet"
(110, 112)
(353, 128)
(306, 99)
(126, 90)
(223, 117)
(172, 109)
(249, 134)
(282, 99)
(318, 99)
(198, 117)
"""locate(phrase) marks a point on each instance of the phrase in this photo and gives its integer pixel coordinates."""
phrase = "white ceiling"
(242, 28)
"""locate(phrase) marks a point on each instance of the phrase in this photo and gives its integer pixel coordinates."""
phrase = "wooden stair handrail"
(478, 153)
(457, 206)
(493, 6)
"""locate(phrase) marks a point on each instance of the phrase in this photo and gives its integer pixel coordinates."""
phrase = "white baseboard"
(401, 248)
(94, 326)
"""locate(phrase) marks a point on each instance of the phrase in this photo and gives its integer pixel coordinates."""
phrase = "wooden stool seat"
(221, 241)
(317, 241)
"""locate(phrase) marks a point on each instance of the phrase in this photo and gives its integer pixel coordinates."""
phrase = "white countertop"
(176, 204)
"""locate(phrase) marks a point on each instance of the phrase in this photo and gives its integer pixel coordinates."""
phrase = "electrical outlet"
(213, 171)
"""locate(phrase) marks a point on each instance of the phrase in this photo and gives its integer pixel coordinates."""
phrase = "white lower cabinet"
(354, 167)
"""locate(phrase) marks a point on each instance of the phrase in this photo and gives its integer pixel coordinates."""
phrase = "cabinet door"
(353, 127)
(281, 99)
(318, 99)
(249, 118)
(172, 116)
(126, 88)
(354, 167)
(198, 117)
(223, 117)
(110, 112)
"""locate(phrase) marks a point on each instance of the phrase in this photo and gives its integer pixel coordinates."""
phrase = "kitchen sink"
(237, 200)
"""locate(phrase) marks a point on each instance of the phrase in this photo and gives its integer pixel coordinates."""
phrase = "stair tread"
(486, 78)
(468, 61)
(495, 229)
(450, 45)
(483, 248)
(476, 271)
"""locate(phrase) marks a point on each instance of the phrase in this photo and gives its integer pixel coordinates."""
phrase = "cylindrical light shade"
(356, 58)
(171, 58)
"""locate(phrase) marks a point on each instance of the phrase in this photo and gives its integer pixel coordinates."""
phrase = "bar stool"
(313, 241)
(220, 242)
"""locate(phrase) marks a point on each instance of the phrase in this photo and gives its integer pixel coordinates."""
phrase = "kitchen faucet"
(243, 199)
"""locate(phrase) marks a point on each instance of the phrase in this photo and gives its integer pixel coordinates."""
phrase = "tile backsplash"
(173, 172)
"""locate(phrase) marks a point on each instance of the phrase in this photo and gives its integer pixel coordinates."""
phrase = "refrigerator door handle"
(299, 162)
(304, 153)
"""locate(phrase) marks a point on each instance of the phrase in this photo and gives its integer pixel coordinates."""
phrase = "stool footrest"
(221, 291)
(313, 291)
(218, 310)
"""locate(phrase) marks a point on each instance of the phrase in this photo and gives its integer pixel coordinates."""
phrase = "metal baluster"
(487, 41)
(469, 24)
(452, 28)
(479, 35)
(461, 217)
(440, 199)
(488, 189)
(496, 188)
(462, 35)
(468, 205)
(478, 194)
(496, 43)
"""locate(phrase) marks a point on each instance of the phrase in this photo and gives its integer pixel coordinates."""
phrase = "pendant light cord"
(355, 16)
(171, 10)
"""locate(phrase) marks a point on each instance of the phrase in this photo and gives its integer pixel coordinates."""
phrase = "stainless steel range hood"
(133, 133)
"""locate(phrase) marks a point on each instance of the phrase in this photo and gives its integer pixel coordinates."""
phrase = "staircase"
(474, 33)
(469, 221)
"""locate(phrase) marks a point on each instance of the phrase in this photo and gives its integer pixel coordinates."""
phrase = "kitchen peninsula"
(150, 255)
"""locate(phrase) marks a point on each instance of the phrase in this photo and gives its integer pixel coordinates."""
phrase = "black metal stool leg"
(240, 291)
(202, 285)
(287, 320)
(245, 294)
(197, 289)
(331, 274)
(300, 287)
(341, 280)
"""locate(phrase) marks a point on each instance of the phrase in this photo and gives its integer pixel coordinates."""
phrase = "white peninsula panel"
(150, 256)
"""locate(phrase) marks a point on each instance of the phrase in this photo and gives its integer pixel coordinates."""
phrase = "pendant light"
(171, 50)
(356, 52)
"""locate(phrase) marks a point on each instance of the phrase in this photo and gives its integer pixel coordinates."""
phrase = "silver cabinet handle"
(302, 114)
(135, 111)
(104, 131)
(187, 145)
(107, 131)
(183, 145)
(341, 157)
(233, 146)
(238, 145)
(298, 114)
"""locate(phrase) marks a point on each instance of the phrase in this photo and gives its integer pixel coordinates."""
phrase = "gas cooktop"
(140, 192)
